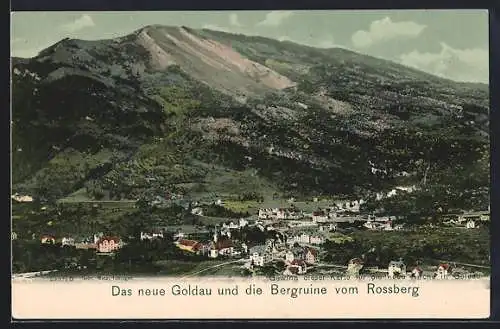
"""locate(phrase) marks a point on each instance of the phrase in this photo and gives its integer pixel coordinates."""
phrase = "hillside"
(172, 109)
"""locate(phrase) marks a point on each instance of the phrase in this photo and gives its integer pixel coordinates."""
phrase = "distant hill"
(205, 112)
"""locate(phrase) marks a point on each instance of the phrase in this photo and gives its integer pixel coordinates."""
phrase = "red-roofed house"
(188, 245)
(310, 255)
(224, 247)
(108, 244)
(442, 271)
(417, 272)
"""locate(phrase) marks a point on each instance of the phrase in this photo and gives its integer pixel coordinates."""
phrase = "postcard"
(250, 165)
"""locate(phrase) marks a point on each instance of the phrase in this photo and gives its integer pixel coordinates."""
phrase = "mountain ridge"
(267, 111)
(339, 48)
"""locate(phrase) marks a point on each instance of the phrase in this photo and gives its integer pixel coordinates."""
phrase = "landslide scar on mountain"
(209, 61)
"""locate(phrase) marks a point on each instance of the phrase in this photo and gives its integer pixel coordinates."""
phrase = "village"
(278, 241)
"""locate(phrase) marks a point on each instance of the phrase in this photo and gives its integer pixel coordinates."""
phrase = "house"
(442, 271)
(97, 237)
(203, 248)
(475, 215)
(354, 266)
(327, 227)
(151, 235)
(316, 239)
(289, 256)
(22, 198)
(399, 227)
(484, 217)
(353, 206)
(48, 239)
(396, 269)
(179, 235)
(416, 272)
(264, 213)
(13, 235)
(68, 241)
(230, 226)
(224, 247)
(188, 245)
(310, 255)
(259, 255)
(470, 224)
(319, 215)
(388, 226)
(371, 225)
(242, 222)
(107, 244)
(213, 253)
(296, 267)
(281, 214)
(244, 248)
(271, 245)
(198, 211)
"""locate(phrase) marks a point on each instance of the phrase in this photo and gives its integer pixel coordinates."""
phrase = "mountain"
(204, 112)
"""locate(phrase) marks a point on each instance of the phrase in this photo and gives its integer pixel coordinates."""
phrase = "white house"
(68, 241)
(230, 225)
(198, 211)
(281, 214)
(316, 239)
(257, 259)
(213, 253)
(353, 206)
(179, 235)
(97, 237)
(325, 225)
(319, 216)
(22, 198)
(244, 247)
(13, 235)
(259, 255)
(264, 213)
(296, 267)
(243, 222)
(289, 256)
(151, 236)
(470, 224)
(371, 225)
(396, 269)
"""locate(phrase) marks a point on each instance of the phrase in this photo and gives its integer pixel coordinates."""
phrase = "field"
(201, 268)
(253, 206)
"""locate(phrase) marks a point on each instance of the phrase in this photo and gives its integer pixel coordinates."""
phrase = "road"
(242, 260)
(464, 264)
(97, 201)
(30, 274)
